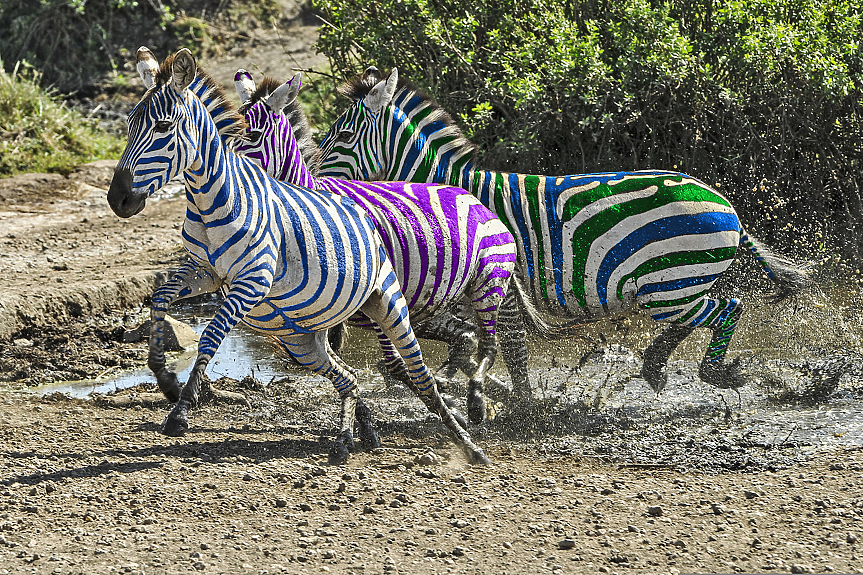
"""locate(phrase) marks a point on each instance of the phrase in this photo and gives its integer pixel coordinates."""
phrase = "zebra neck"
(293, 169)
(210, 179)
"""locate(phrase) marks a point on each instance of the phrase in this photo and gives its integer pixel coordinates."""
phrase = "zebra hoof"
(722, 375)
(477, 456)
(177, 422)
(341, 449)
(169, 385)
(368, 436)
(657, 380)
(476, 409)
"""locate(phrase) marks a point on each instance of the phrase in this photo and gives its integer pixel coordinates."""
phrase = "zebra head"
(270, 137)
(162, 139)
(353, 147)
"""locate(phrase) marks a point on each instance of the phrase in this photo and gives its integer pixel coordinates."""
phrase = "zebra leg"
(190, 280)
(387, 307)
(311, 351)
(488, 291)
(723, 322)
(462, 341)
(398, 370)
(513, 346)
(657, 353)
(245, 293)
(365, 421)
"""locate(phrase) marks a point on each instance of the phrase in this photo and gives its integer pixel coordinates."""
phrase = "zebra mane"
(229, 121)
(297, 118)
(359, 87)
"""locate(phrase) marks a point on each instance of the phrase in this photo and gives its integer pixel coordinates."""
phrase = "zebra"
(590, 245)
(291, 262)
(425, 227)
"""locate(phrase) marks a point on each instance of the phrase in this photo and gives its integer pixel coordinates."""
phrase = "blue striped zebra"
(291, 262)
(589, 245)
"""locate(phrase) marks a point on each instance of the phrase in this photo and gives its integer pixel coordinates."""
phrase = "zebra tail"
(539, 324)
(789, 277)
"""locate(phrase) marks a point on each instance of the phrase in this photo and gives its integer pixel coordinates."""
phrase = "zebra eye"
(344, 136)
(254, 135)
(162, 126)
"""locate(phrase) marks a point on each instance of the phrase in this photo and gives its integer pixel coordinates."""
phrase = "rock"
(305, 507)
(177, 335)
(428, 458)
(851, 538)
(50, 487)
(632, 529)
(717, 508)
(368, 509)
(458, 552)
(566, 544)
(281, 502)
(199, 565)
(22, 342)
(796, 568)
(654, 511)
(750, 494)
(459, 479)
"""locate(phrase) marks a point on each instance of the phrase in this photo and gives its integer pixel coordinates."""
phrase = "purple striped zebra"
(444, 244)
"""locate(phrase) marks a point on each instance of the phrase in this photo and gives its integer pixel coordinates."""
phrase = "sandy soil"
(92, 487)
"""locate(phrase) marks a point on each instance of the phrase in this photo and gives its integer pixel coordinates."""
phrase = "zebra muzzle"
(123, 199)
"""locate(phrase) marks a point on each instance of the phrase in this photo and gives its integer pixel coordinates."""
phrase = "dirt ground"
(90, 486)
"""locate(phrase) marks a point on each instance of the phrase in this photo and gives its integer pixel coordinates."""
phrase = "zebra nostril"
(121, 197)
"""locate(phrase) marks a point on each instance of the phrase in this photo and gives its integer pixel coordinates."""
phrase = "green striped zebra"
(590, 245)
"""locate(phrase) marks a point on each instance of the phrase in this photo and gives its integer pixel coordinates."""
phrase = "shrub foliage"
(39, 133)
(761, 97)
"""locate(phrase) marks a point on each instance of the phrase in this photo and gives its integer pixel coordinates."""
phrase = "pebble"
(458, 552)
(305, 507)
(797, 568)
(851, 538)
(281, 502)
(458, 479)
(632, 528)
(368, 509)
(717, 508)
(750, 494)
(428, 458)
(654, 511)
(566, 544)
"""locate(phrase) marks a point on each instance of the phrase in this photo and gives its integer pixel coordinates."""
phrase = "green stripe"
(674, 302)
(692, 192)
(530, 191)
(689, 315)
(410, 127)
(674, 260)
(588, 232)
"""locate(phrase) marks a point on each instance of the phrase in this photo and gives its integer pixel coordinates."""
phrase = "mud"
(599, 477)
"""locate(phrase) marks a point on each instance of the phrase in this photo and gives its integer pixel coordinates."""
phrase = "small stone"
(460, 523)
(305, 507)
(654, 511)
(347, 477)
(204, 546)
(851, 538)
(50, 487)
(281, 502)
(566, 544)
(22, 342)
(750, 494)
(328, 554)
(368, 509)
(796, 568)
(632, 529)
(507, 545)
(342, 487)
(717, 508)
(334, 507)
(433, 531)
(458, 479)
(395, 503)
(458, 552)
(607, 491)
(247, 477)
(199, 565)
(379, 501)
(428, 458)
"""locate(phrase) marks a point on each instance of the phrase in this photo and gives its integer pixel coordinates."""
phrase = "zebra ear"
(183, 70)
(382, 94)
(371, 76)
(244, 85)
(147, 66)
(285, 94)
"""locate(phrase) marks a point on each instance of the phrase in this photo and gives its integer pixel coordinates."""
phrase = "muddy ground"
(90, 486)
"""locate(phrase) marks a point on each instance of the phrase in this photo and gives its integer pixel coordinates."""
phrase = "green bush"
(761, 97)
(38, 133)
